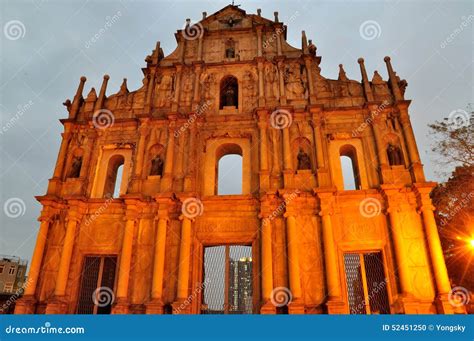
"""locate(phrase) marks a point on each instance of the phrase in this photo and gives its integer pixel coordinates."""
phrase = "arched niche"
(215, 150)
(110, 160)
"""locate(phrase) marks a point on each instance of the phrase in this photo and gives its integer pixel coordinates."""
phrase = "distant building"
(240, 286)
(12, 280)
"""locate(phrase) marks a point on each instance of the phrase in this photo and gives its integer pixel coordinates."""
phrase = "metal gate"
(228, 280)
(366, 283)
(96, 293)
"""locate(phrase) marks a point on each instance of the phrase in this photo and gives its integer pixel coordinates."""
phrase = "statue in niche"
(304, 161)
(229, 97)
(395, 157)
(156, 166)
(271, 80)
(76, 166)
(230, 48)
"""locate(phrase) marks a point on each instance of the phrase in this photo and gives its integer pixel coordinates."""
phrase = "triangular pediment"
(232, 17)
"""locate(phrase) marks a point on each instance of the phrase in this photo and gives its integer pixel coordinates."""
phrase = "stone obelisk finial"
(393, 80)
(100, 100)
(77, 98)
(365, 81)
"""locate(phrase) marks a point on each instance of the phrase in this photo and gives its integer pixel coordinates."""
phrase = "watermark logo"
(103, 119)
(370, 207)
(459, 118)
(370, 30)
(192, 207)
(192, 30)
(281, 296)
(103, 296)
(14, 208)
(281, 119)
(458, 296)
(109, 22)
(14, 30)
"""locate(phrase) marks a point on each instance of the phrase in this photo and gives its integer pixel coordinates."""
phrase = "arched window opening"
(229, 92)
(350, 168)
(114, 177)
(229, 170)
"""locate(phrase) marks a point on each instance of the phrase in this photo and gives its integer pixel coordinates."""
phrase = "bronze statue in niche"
(304, 161)
(395, 157)
(156, 166)
(230, 48)
(229, 92)
(76, 166)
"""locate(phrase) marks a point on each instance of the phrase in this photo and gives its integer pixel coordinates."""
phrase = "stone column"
(197, 83)
(377, 122)
(58, 171)
(312, 93)
(88, 150)
(297, 305)
(259, 40)
(180, 307)
(167, 180)
(443, 286)
(26, 304)
(279, 29)
(131, 218)
(287, 157)
(262, 116)
(58, 304)
(150, 89)
(406, 300)
(156, 304)
(177, 90)
(281, 71)
(138, 175)
(261, 87)
(66, 255)
(335, 303)
(413, 154)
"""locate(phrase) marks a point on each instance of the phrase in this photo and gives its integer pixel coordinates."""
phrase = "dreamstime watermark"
(99, 211)
(192, 207)
(370, 30)
(281, 208)
(369, 120)
(461, 203)
(459, 118)
(103, 119)
(458, 30)
(281, 119)
(269, 41)
(103, 297)
(12, 299)
(377, 287)
(191, 297)
(109, 22)
(14, 30)
(21, 110)
(459, 296)
(192, 30)
(14, 208)
(281, 296)
(46, 329)
(370, 207)
(201, 109)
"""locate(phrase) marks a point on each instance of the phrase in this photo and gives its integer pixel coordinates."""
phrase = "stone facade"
(235, 86)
